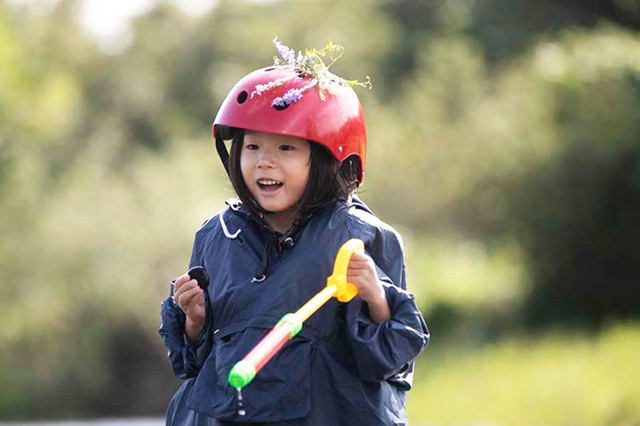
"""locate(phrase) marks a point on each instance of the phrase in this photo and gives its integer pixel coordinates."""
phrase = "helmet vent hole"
(280, 108)
(270, 69)
(242, 97)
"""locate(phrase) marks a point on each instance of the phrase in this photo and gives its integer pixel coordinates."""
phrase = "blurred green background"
(504, 144)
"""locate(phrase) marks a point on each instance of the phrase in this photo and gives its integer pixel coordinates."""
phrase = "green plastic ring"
(296, 324)
(241, 374)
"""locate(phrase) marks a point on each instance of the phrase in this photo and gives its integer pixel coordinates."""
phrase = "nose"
(266, 158)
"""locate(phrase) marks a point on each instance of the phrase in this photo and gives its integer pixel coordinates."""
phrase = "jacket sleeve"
(185, 358)
(386, 351)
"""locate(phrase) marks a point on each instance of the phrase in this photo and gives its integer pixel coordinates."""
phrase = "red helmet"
(337, 121)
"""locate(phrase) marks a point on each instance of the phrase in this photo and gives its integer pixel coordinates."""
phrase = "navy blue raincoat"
(341, 369)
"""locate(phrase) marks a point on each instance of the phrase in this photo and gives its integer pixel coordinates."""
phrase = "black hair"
(329, 180)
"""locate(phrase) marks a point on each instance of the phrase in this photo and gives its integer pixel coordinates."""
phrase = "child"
(297, 155)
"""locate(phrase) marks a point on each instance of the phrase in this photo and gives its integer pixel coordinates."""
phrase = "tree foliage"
(505, 129)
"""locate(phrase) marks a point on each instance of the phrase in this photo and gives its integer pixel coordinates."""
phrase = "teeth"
(268, 182)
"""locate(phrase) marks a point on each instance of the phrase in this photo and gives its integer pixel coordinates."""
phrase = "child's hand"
(362, 273)
(190, 298)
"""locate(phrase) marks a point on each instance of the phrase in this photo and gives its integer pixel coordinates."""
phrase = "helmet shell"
(337, 122)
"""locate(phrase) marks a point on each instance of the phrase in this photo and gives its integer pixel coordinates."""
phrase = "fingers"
(180, 281)
(187, 294)
(361, 266)
(359, 256)
(360, 278)
(182, 284)
(362, 273)
(360, 261)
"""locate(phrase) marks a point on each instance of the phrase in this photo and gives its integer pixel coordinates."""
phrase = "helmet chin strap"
(222, 152)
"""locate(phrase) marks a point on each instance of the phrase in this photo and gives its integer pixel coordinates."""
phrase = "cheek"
(245, 167)
(302, 181)
(302, 173)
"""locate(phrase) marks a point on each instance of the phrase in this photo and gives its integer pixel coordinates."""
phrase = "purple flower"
(285, 52)
(291, 96)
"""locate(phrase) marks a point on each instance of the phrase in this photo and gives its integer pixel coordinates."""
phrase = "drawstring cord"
(266, 260)
(286, 242)
(224, 226)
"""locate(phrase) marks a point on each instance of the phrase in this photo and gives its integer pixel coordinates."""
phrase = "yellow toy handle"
(337, 285)
(345, 291)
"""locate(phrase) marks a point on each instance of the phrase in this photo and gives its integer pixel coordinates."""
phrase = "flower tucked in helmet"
(280, 100)
(308, 64)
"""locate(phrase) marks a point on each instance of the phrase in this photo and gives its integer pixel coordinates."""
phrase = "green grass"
(560, 378)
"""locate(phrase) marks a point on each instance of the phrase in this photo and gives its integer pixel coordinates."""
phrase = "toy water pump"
(290, 325)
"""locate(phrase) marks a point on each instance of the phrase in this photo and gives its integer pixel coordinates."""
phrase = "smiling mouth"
(269, 184)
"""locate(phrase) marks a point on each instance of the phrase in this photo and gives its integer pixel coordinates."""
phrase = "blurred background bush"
(504, 144)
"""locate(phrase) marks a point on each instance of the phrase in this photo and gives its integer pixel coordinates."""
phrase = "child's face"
(275, 169)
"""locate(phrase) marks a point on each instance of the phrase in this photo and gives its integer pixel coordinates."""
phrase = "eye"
(251, 146)
(286, 147)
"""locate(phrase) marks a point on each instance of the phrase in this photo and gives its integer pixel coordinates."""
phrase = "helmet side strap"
(222, 152)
